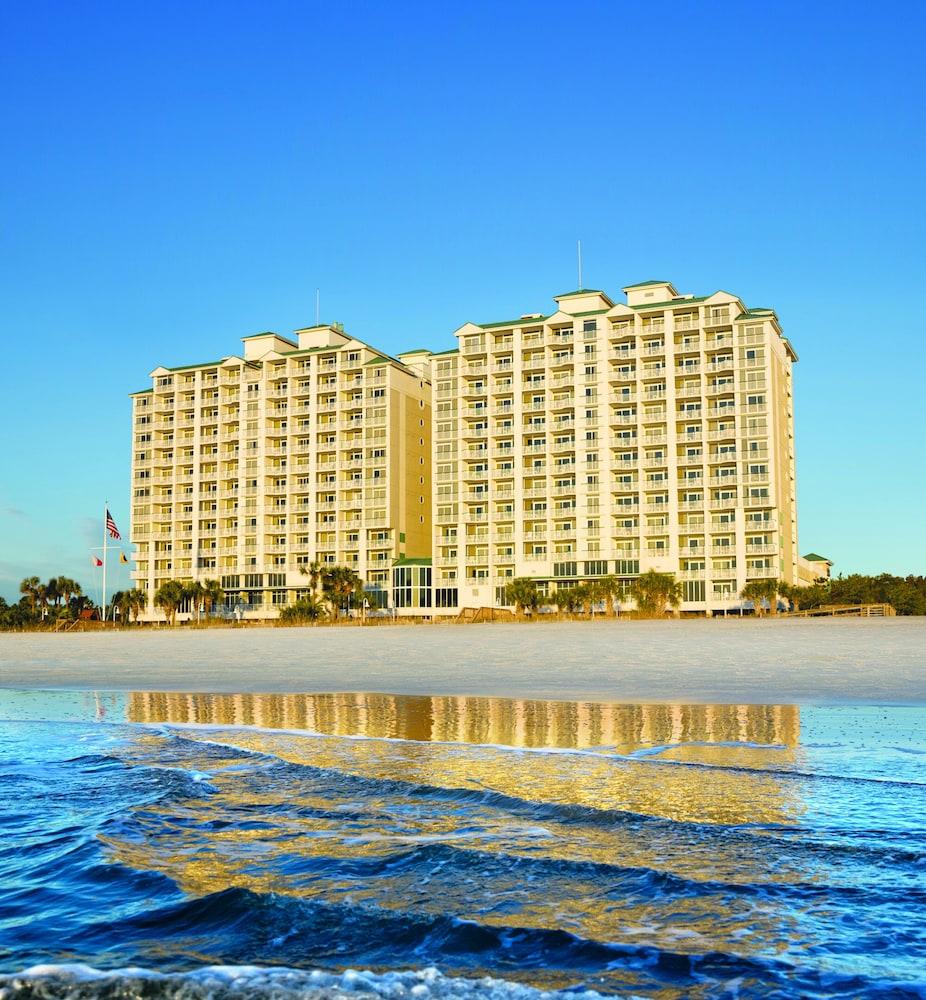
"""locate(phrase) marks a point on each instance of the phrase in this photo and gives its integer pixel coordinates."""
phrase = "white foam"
(250, 980)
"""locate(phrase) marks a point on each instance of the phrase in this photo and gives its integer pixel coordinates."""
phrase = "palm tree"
(315, 572)
(212, 594)
(135, 602)
(116, 603)
(654, 592)
(308, 609)
(41, 594)
(568, 599)
(792, 593)
(30, 588)
(758, 591)
(67, 588)
(339, 584)
(596, 592)
(609, 588)
(52, 593)
(194, 593)
(168, 597)
(523, 594)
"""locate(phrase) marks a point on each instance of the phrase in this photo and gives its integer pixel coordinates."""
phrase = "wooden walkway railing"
(847, 611)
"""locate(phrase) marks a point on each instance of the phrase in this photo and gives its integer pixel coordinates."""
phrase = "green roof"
(378, 361)
(202, 364)
(644, 284)
(590, 312)
(404, 561)
(520, 321)
(580, 291)
(141, 392)
(453, 350)
(672, 303)
(266, 333)
(815, 557)
(417, 350)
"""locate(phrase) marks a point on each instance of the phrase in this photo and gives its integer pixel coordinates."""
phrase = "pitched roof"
(580, 291)
(815, 557)
(202, 364)
(645, 284)
(672, 303)
(520, 321)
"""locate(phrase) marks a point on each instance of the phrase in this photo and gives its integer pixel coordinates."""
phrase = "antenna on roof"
(579, 260)
(317, 307)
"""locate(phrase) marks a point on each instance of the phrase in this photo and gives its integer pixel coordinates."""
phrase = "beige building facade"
(311, 448)
(614, 438)
(606, 438)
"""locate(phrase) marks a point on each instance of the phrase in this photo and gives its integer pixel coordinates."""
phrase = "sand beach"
(743, 662)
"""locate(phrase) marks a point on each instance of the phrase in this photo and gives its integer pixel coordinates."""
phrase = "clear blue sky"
(175, 176)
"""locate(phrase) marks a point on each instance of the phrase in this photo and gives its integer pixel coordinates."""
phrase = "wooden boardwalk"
(846, 611)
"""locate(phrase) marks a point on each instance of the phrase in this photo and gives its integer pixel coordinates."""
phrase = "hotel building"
(309, 449)
(615, 438)
(603, 439)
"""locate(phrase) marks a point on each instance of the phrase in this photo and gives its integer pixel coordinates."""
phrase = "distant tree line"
(907, 594)
(657, 594)
(60, 597)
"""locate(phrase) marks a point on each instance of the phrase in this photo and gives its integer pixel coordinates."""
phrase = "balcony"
(761, 573)
(761, 549)
(688, 392)
(691, 505)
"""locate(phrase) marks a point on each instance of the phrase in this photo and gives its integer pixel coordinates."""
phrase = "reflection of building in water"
(505, 721)
(394, 807)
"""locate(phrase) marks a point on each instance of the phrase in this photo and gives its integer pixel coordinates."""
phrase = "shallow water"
(651, 851)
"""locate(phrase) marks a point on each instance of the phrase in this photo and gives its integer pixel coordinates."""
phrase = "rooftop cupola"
(649, 291)
(259, 344)
(582, 300)
(325, 335)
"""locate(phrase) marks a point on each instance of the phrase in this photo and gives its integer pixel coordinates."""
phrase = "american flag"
(111, 526)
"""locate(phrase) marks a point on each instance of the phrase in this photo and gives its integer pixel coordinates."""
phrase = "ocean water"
(158, 845)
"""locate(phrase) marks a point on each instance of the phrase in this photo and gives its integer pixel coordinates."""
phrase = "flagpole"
(105, 509)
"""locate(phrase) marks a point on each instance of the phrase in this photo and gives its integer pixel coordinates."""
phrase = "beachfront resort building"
(314, 448)
(605, 438)
(614, 438)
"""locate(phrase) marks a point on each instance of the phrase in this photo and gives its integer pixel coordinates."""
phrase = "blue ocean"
(172, 845)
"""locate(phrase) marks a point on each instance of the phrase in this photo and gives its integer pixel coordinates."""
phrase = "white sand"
(798, 661)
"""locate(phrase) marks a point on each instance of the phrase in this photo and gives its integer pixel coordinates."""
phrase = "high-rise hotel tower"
(252, 467)
(604, 438)
(613, 438)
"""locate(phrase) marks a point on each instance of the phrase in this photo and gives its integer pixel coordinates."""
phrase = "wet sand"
(745, 662)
